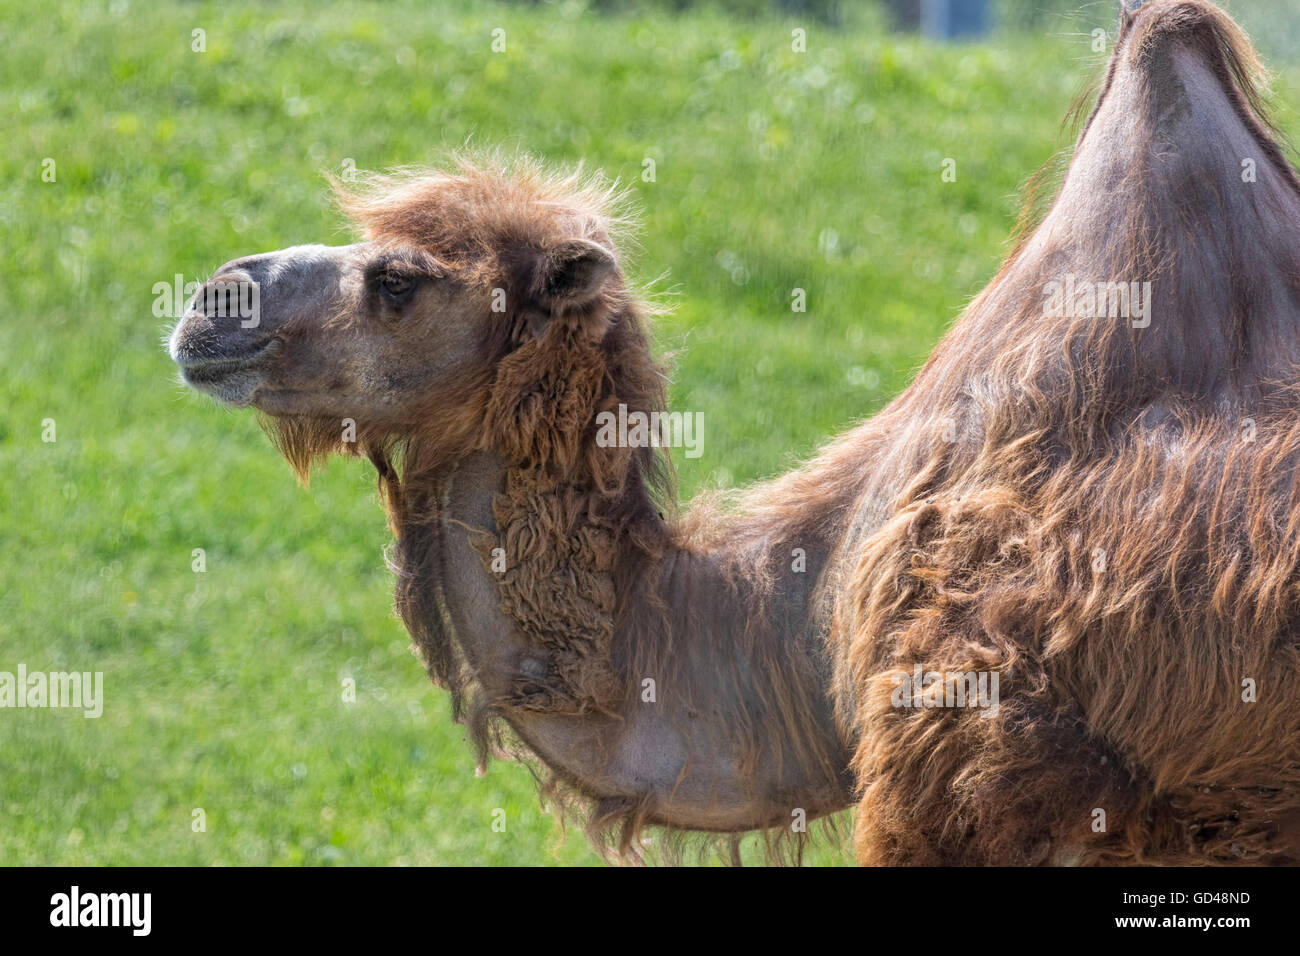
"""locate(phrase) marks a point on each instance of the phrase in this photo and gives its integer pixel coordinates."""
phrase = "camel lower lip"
(233, 380)
(233, 386)
(216, 365)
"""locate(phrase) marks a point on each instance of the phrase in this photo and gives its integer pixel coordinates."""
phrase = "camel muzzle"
(220, 339)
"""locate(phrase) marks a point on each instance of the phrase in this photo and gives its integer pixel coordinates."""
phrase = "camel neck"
(722, 720)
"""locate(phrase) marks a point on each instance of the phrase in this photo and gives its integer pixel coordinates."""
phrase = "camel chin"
(233, 380)
(236, 387)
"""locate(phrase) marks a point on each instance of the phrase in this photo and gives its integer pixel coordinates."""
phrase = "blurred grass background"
(775, 170)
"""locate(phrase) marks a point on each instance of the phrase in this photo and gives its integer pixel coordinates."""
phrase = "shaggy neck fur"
(665, 678)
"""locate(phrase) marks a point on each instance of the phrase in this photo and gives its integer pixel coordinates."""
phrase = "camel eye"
(396, 287)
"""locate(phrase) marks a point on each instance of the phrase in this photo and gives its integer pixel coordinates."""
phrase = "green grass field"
(774, 170)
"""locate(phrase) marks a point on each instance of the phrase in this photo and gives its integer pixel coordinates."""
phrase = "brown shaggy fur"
(1104, 535)
(1099, 533)
(583, 528)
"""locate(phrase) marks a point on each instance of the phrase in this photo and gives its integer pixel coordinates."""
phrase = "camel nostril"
(227, 294)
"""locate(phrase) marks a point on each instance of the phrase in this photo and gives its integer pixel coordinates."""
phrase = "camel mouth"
(232, 379)
(192, 360)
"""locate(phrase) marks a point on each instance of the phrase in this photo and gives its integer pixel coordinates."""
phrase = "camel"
(1041, 609)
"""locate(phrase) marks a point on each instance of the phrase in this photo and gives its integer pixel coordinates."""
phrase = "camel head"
(403, 335)
(484, 316)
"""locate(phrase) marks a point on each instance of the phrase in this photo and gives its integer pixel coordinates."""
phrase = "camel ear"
(573, 273)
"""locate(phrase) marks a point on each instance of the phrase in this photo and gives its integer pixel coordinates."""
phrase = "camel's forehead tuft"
(475, 211)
